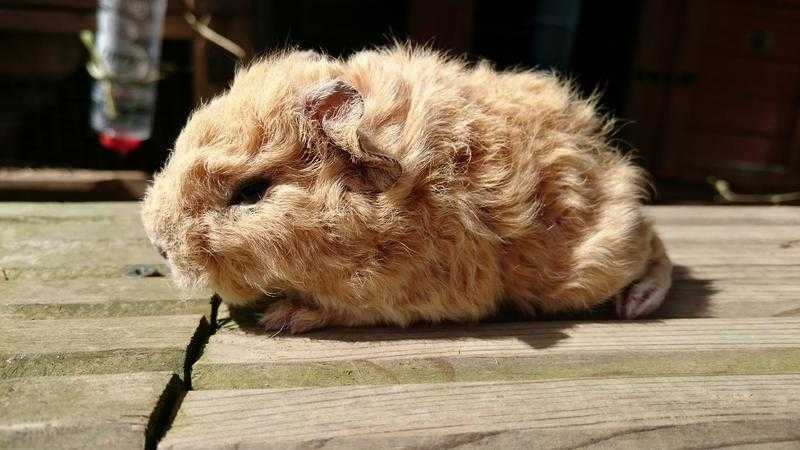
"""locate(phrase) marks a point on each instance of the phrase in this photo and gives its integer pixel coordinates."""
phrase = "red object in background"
(119, 144)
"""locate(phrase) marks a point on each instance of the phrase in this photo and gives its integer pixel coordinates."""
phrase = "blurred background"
(708, 90)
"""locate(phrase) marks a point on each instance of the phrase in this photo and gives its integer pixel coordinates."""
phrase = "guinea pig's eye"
(249, 192)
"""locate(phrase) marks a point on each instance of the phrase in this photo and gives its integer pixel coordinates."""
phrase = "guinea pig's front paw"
(286, 315)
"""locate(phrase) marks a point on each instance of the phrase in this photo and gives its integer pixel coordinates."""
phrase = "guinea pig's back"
(570, 209)
(525, 162)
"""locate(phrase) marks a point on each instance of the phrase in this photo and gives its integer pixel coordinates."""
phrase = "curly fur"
(406, 187)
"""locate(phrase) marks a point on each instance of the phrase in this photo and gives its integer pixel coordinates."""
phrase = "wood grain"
(99, 411)
(100, 297)
(524, 350)
(723, 215)
(79, 184)
(733, 254)
(66, 310)
(89, 358)
(727, 291)
(70, 221)
(46, 259)
(89, 346)
(72, 241)
(729, 233)
(610, 412)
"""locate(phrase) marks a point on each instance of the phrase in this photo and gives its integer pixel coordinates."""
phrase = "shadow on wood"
(246, 319)
(689, 296)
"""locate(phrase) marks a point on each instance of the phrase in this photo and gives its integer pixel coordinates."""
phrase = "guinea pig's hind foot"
(287, 315)
(646, 294)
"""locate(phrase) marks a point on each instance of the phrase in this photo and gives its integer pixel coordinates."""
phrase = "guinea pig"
(401, 186)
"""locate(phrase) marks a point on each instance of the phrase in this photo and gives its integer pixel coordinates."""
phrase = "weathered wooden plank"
(56, 259)
(731, 236)
(703, 291)
(81, 210)
(724, 215)
(72, 184)
(782, 235)
(235, 358)
(766, 273)
(693, 412)
(123, 411)
(95, 346)
(729, 299)
(732, 291)
(233, 344)
(70, 221)
(71, 240)
(101, 297)
(732, 254)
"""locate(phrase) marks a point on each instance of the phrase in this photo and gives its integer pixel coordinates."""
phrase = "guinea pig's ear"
(376, 169)
(334, 109)
(331, 103)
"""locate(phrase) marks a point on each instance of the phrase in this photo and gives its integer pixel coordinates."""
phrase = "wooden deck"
(91, 357)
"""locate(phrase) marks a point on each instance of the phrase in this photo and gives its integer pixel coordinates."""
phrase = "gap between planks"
(97, 346)
(123, 411)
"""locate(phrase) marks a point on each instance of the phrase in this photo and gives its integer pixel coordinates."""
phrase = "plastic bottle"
(127, 51)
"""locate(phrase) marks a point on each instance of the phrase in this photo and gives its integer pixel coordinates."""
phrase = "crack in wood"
(790, 244)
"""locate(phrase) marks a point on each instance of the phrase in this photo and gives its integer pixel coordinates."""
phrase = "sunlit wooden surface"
(92, 356)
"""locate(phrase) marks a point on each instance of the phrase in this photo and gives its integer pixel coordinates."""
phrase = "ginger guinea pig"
(400, 186)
